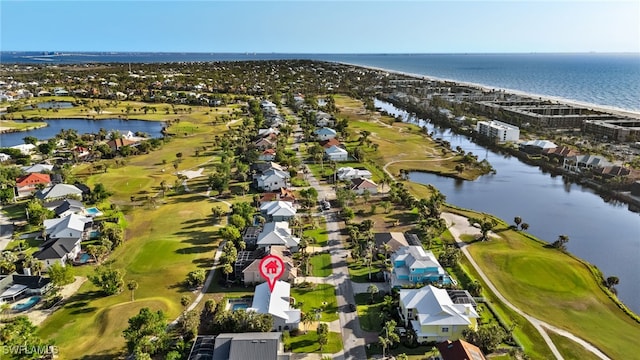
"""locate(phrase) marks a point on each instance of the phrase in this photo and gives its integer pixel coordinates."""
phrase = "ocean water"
(608, 80)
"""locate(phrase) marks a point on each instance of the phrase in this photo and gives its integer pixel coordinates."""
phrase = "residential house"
(58, 191)
(536, 146)
(38, 168)
(580, 163)
(336, 153)
(393, 241)
(277, 233)
(278, 210)
(281, 195)
(268, 132)
(360, 185)
(239, 346)
(28, 184)
(260, 168)
(560, 152)
(459, 350)
(4, 157)
(72, 226)
(117, 144)
(325, 133)
(349, 173)
(323, 119)
(331, 142)
(272, 180)
(415, 265)
(25, 149)
(16, 286)
(264, 144)
(433, 316)
(66, 207)
(251, 272)
(277, 304)
(267, 155)
(60, 250)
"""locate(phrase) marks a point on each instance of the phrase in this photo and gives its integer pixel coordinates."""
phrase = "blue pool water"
(84, 257)
(240, 306)
(92, 210)
(27, 305)
(94, 234)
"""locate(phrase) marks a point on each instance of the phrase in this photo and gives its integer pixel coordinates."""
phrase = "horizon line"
(70, 52)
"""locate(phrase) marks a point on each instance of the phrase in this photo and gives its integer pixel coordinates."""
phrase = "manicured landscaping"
(321, 265)
(525, 271)
(308, 343)
(319, 234)
(570, 349)
(369, 314)
(359, 272)
(317, 296)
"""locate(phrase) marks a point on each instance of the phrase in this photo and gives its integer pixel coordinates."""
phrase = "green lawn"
(321, 265)
(317, 296)
(308, 343)
(525, 272)
(570, 349)
(369, 314)
(319, 234)
(359, 272)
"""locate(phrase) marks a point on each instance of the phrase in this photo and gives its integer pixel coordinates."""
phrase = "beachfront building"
(499, 131)
(434, 316)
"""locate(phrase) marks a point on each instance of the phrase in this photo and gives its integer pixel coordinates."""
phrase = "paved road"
(6, 231)
(462, 226)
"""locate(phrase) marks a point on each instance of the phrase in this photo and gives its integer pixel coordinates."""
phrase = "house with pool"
(277, 304)
(18, 286)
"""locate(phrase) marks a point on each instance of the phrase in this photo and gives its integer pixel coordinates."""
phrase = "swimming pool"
(93, 211)
(240, 307)
(83, 258)
(27, 305)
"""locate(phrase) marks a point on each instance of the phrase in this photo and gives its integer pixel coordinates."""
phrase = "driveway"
(6, 231)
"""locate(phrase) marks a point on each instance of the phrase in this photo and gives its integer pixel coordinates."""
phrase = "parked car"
(326, 205)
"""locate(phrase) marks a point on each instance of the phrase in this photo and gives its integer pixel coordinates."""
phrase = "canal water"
(605, 234)
(82, 126)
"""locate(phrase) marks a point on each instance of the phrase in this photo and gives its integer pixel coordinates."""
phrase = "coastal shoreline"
(555, 99)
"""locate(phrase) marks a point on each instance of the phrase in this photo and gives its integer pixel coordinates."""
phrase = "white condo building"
(498, 130)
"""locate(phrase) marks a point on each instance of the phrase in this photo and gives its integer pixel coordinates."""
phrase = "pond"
(51, 105)
(82, 126)
(605, 234)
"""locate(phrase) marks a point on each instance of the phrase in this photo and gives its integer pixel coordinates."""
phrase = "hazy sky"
(321, 26)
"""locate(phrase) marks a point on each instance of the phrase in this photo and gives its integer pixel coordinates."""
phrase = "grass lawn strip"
(317, 296)
(321, 265)
(308, 343)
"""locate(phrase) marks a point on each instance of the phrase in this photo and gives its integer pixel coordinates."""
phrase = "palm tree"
(132, 285)
(561, 242)
(389, 336)
(227, 269)
(517, 220)
(372, 290)
(306, 319)
(524, 226)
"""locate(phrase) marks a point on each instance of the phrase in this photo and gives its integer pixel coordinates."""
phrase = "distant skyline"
(320, 26)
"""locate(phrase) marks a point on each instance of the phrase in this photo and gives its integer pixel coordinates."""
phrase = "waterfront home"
(238, 346)
(25, 149)
(325, 133)
(414, 265)
(389, 242)
(277, 233)
(335, 153)
(272, 180)
(4, 157)
(433, 315)
(560, 152)
(278, 210)
(251, 271)
(581, 163)
(28, 184)
(536, 146)
(360, 185)
(58, 191)
(459, 350)
(349, 173)
(117, 144)
(277, 304)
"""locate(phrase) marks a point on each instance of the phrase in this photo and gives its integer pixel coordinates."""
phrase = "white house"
(360, 185)
(4, 157)
(580, 163)
(277, 233)
(71, 226)
(325, 133)
(58, 191)
(278, 210)
(349, 173)
(272, 180)
(434, 316)
(323, 119)
(498, 130)
(276, 303)
(336, 153)
(25, 149)
(37, 168)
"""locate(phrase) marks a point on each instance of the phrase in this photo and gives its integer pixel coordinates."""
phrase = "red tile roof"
(460, 350)
(32, 179)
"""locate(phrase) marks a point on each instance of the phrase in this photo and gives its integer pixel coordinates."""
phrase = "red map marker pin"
(271, 269)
